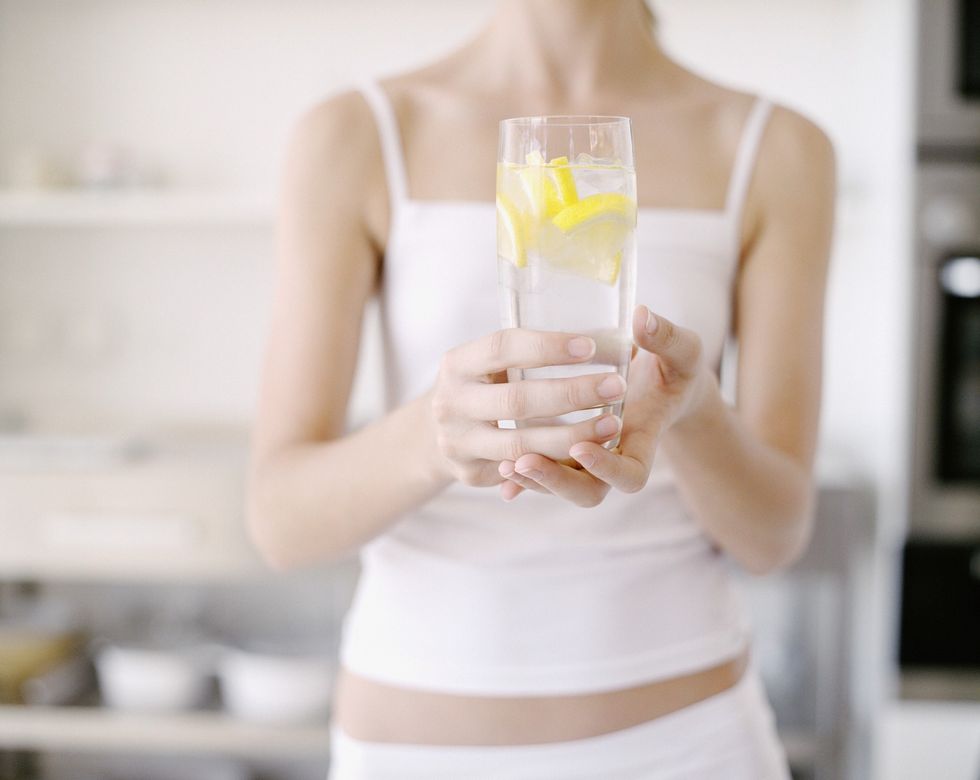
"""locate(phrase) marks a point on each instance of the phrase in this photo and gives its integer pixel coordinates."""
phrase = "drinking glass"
(566, 240)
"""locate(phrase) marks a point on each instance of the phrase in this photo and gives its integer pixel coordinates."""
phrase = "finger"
(575, 485)
(538, 397)
(622, 471)
(510, 490)
(553, 441)
(679, 349)
(518, 348)
(507, 470)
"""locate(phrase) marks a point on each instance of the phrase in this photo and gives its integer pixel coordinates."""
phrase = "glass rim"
(566, 120)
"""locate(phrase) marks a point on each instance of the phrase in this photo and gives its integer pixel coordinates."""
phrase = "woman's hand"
(471, 393)
(668, 382)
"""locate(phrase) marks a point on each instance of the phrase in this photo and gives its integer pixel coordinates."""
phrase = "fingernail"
(580, 347)
(611, 387)
(531, 474)
(585, 458)
(607, 426)
(505, 469)
(652, 322)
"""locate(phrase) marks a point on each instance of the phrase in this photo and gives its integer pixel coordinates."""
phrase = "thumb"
(679, 349)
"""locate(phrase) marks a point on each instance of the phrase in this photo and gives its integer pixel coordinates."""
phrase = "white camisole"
(471, 595)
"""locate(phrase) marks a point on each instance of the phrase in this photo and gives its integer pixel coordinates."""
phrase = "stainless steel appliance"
(946, 468)
(945, 489)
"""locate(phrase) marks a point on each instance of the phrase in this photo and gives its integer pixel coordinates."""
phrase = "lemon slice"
(565, 181)
(510, 232)
(595, 229)
(540, 188)
(602, 207)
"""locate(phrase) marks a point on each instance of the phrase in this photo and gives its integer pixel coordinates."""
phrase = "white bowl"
(147, 680)
(276, 687)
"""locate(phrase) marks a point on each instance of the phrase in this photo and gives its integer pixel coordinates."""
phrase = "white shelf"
(172, 510)
(78, 208)
(90, 729)
(238, 566)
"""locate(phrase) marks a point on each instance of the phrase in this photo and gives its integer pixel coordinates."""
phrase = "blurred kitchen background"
(140, 142)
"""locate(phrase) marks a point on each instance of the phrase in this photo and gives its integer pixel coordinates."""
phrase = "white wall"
(204, 88)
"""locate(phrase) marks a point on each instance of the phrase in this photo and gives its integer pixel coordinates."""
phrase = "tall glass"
(566, 243)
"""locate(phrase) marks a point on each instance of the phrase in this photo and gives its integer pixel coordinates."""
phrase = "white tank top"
(472, 595)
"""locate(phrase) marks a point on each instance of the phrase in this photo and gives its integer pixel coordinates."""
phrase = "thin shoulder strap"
(745, 155)
(391, 147)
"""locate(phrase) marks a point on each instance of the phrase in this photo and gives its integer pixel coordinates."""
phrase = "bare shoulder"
(342, 122)
(793, 184)
(334, 166)
(794, 144)
(793, 189)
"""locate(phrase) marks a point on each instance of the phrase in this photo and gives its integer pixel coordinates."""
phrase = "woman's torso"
(439, 290)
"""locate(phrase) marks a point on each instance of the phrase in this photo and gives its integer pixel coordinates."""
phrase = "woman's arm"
(312, 494)
(745, 473)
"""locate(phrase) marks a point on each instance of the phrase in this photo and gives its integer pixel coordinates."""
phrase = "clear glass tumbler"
(566, 243)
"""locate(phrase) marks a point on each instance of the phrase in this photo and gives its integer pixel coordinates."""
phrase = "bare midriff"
(377, 712)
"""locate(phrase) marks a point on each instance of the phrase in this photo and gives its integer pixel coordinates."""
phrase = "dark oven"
(945, 498)
(939, 648)
(945, 485)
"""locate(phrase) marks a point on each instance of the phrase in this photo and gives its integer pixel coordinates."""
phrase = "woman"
(588, 628)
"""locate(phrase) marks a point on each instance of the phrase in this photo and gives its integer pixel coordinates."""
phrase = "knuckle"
(442, 407)
(573, 394)
(635, 484)
(595, 497)
(541, 348)
(448, 445)
(697, 347)
(515, 400)
(499, 343)
(583, 431)
(668, 333)
(516, 446)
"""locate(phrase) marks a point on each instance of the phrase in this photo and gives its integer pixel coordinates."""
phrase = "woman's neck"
(570, 50)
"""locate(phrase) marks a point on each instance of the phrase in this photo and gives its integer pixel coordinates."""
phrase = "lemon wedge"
(602, 207)
(540, 188)
(565, 181)
(595, 229)
(510, 232)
